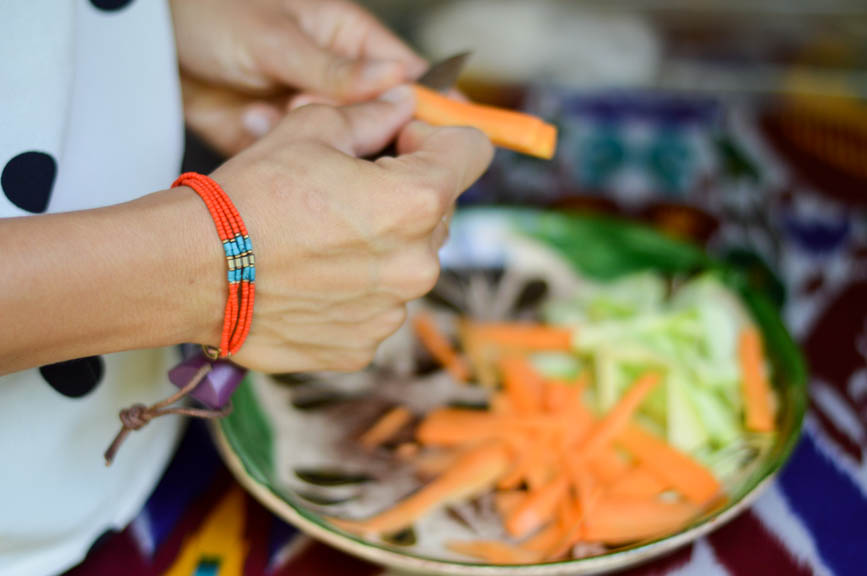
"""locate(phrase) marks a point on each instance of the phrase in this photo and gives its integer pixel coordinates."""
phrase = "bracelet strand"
(241, 263)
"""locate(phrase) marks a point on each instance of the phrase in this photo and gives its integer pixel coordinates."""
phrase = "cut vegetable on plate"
(618, 414)
(621, 460)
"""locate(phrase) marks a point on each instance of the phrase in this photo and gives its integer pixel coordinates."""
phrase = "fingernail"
(300, 100)
(397, 95)
(382, 72)
(257, 122)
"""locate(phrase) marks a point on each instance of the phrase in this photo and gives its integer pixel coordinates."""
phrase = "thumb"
(299, 62)
(359, 129)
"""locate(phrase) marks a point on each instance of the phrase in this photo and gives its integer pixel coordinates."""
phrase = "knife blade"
(443, 75)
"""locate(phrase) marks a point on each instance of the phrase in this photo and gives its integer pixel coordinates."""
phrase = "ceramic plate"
(291, 440)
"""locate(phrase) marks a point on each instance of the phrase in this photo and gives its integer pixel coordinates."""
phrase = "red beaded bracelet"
(238, 313)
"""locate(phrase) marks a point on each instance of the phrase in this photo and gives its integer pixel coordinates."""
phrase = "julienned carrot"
(607, 429)
(561, 395)
(430, 464)
(516, 474)
(639, 482)
(505, 501)
(524, 337)
(386, 427)
(619, 520)
(494, 551)
(571, 523)
(588, 491)
(538, 508)
(481, 356)
(675, 468)
(473, 473)
(545, 539)
(608, 466)
(505, 128)
(406, 450)
(453, 427)
(439, 346)
(756, 391)
(522, 384)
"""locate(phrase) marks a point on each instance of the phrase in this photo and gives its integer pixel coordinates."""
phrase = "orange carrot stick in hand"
(453, 427)
(608, 466)
(545, 539)
(506, 128)
(571, 523)
(507, 501)
(757, 392)
(439, 346)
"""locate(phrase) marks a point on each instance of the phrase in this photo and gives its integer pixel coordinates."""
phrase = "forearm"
(141, 274)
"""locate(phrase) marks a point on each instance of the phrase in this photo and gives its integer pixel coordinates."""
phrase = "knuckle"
(338, 75)
(379, 327)
(422, 277)
(425, 205)
(324, 117)
(391, 321)
(354, 360)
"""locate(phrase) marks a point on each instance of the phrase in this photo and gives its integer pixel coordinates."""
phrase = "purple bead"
(217, 387)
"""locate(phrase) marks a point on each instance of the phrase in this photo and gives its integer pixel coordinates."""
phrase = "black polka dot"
(27, 180)
(74, 378)
(110, 5)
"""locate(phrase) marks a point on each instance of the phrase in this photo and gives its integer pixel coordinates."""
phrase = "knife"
(443, 75)
(506, 128)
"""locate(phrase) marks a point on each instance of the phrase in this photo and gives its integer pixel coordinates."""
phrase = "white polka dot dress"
(89, 98)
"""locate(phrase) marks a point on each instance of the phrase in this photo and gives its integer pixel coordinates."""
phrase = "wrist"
(194, 265)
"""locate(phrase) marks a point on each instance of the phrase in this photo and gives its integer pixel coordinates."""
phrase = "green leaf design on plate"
(331, 477)
(293, 379)
(322, 500)
(249, 433)
(405, 537)
(317, 400)
(604, 247)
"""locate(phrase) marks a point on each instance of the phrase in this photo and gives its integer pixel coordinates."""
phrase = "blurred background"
(716, 46)
(735, 124)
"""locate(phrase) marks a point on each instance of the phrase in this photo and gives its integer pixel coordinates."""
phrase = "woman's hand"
(245, 63)
(341, 243)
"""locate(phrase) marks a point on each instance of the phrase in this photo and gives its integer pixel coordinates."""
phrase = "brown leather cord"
(138, 415)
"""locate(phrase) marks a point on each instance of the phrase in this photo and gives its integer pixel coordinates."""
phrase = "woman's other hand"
(245, 63)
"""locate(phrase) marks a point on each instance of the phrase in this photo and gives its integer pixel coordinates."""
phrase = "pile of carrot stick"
(559, 473)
